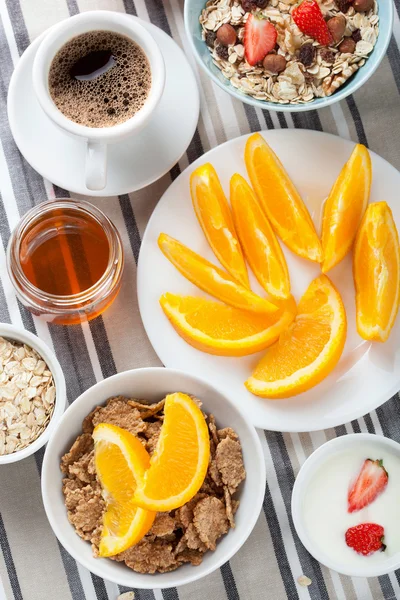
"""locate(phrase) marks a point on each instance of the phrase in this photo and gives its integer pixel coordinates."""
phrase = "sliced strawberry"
(366, 538)
(371, 481)
(259, 39)
(310, 20)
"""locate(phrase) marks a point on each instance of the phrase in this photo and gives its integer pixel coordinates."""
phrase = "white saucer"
(366, 376)
(132, 163)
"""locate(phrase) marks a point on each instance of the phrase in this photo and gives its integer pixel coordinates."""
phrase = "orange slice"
(308, 350)
(345, 207)
(210, 278)
(376, 273)
(258, 240)
(180, 461)
(121, 462)
(280, 200)
(214, 215)
(219, 329)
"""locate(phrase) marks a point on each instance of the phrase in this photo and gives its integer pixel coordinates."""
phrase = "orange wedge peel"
(212, 279)
(308, 350)
(258, 240)
(121, 462)
(214, 215)
(345, 207)
(376, 273)
(179, 463)
(220, 329)
(280, 200)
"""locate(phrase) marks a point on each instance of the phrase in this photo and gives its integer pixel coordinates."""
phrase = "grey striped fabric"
(33, 566)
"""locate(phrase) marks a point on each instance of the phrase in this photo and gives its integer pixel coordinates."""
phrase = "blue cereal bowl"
(193, 9)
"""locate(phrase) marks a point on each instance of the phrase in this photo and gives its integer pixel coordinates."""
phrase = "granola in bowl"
(183, 535)
(293, 60)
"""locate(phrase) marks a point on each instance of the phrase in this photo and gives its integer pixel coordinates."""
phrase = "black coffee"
(100, 79)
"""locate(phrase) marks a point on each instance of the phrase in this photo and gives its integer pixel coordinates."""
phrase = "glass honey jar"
(65, 260)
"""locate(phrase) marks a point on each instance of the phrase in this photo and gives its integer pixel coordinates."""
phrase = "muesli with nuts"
(180, 536)
(289, 51)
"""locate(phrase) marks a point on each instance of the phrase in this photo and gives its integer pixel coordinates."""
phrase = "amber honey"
(64, 253)
(65, 260)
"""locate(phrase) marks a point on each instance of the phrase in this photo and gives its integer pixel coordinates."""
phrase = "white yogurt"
(325, 505)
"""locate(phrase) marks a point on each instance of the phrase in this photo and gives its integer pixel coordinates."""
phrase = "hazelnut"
(363, 5)
(347, 46)
(274, 63)
(226, 35)
(336, 26)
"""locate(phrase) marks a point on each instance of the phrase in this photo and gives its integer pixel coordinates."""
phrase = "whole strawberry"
(310, 20)
(366, 538)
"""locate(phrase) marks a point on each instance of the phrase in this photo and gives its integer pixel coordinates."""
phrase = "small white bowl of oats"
(32, 393)
(289, 55)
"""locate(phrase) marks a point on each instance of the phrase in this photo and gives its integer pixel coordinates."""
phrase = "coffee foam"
(111, 98)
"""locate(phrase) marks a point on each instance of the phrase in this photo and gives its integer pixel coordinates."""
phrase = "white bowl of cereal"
(308, 74)
(32, 393)
(166, 547)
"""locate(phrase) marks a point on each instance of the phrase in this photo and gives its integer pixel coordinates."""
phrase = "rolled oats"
(127, 596)
(27, 396)
(364, 48)
(304, 581)
(333, 82)
(330, 68)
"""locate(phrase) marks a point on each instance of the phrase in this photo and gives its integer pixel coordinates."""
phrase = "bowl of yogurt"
(345, 505)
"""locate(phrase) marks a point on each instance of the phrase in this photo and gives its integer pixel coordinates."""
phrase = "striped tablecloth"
(33, 565)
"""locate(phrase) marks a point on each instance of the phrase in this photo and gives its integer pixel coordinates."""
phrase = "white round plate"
(366, 376)
(132, 163)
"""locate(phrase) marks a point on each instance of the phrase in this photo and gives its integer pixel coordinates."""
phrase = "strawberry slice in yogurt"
(371, 481)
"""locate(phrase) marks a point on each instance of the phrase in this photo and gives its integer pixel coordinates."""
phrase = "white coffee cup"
(97, 138)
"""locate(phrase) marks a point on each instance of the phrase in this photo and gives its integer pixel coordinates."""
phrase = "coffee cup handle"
(96, 166)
